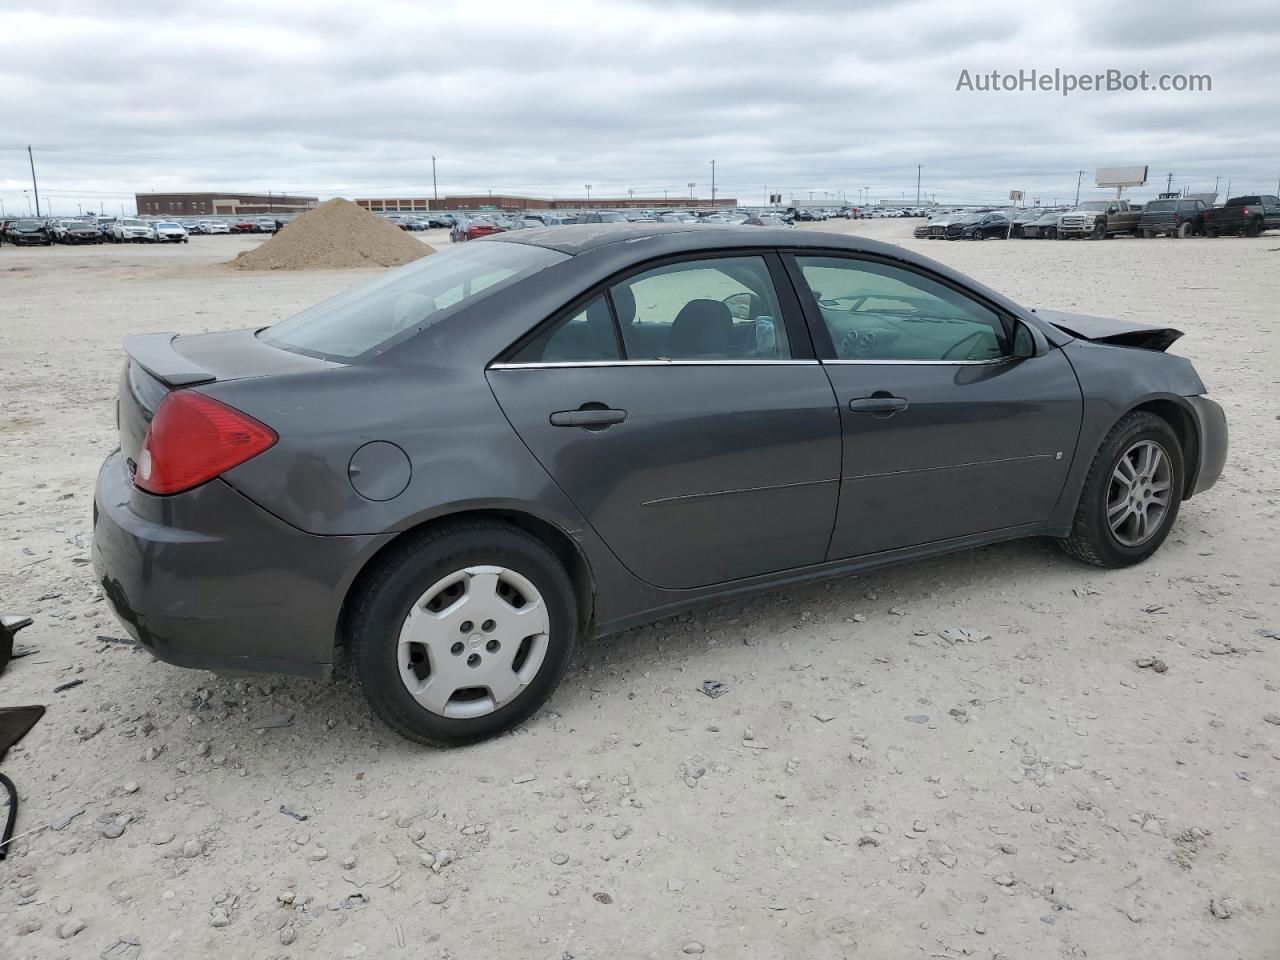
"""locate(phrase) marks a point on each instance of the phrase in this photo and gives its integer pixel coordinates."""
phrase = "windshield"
(1093, 205)
(415, 296)
(133, 223)
(1161, 205)
(28, 225)
(612, 218)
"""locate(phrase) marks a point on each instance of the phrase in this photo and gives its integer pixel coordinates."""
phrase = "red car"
(471, 229)
(246, 226)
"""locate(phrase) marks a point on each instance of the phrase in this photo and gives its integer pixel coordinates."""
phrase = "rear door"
(683, 412)
(951, 428)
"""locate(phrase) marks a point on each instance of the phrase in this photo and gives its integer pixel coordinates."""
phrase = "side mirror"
(1024, 341)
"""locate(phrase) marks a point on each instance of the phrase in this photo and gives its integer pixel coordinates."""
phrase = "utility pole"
(1215, 187)
(435, 194)
(588, 186)
(1168, 185)
(1079, 177)
(713, 183)
(691, 186)
(918, 184)
(34, 187)
(1228, 187)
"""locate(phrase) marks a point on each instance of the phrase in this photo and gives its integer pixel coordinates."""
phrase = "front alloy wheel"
(1131, 495)
(1140, 493)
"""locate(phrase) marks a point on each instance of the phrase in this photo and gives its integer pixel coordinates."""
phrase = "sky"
(841, 98)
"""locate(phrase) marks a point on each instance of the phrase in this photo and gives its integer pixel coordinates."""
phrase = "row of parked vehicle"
(469, 228)
(1247, 215)
(46, 232)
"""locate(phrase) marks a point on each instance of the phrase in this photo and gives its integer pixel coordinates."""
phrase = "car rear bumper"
(1211, 425)
(207, 579)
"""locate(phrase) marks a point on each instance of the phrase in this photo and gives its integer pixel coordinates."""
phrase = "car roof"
(575, 239)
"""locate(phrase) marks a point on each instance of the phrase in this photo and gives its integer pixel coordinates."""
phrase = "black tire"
(1211, 232)
(1091, 538)
(1099, 230)
(1255, 228)
(1185, 229)
(403, 575)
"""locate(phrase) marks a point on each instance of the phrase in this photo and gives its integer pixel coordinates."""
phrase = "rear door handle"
(592, 417)
(878, 405)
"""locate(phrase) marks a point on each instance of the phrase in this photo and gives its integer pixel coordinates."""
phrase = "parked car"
(215, 226)
(193, 227)
(1099, 219)
(1248, 215)
(273, 494)
(1020, 218)
(246, 226)
(1044, 226)
(166, 231)
(601, 216)
(1182, 217)
(978, 226)
(473, 228)
(80, 231)
(766, 220)
(130, 230)
(27, 233)
(934, 228)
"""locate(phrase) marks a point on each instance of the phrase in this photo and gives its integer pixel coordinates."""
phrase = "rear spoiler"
(1120, 333)
(154, 353)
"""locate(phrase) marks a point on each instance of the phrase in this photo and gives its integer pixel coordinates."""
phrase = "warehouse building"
(226, 203)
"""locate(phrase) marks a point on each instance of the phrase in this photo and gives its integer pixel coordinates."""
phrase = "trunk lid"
(161, 362)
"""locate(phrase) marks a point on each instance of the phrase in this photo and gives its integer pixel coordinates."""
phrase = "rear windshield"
(1158, 205)
(1244, 201)
(414, 297)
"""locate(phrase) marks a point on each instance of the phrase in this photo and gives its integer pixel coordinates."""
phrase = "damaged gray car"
(460, 470)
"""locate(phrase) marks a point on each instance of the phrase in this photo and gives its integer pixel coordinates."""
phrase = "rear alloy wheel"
(463, 633)
(1131, 496)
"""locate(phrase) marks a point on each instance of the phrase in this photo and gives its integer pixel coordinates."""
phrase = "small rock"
(112, 830)
(348, 863)
(70, 928)
(192, 849)
(714, 688)
(897, 611)
(1004, 880)
(317, 854)
(559, 859)
(1159, 666)
(859, 618)
(288, 934)
(621, 832)
(823, 717)
(917, 718)
(1272, 718)
(130, 787)
(693, 947)
(219, 918)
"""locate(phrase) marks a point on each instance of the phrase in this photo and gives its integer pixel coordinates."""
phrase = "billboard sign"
(1015, 195)
(1120, 176)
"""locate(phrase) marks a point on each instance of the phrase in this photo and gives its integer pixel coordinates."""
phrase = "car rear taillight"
(1244, 213)
(194, 438)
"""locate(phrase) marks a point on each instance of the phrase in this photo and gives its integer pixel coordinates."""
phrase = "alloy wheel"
(1140, 493)
(473, 641)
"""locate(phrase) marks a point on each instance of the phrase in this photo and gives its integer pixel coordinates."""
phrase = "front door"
(951, 427)
(687, 421)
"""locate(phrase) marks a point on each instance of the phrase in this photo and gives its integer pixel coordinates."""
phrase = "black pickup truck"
(1248, 215)
(1180, 217)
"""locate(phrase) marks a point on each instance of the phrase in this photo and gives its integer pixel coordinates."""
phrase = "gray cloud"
(823, 95)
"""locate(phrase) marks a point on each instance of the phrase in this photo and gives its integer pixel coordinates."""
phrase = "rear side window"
(722, 308)
(415, 296)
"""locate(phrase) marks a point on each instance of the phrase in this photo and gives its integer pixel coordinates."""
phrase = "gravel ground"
(960, 757)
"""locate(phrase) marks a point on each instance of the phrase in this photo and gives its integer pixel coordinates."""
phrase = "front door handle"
(591, 418)
(883, 404)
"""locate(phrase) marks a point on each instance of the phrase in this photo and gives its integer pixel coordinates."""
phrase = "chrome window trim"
(651, 363)
(953, 363)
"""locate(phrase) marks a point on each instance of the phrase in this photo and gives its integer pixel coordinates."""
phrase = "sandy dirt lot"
(868, 787)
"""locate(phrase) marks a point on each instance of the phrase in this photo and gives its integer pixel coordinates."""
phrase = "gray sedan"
(461, 469)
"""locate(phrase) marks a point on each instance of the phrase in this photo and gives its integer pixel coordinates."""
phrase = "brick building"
(225, 203)
(508, 202)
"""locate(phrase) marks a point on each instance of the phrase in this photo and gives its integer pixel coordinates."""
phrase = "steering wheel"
(956, 347)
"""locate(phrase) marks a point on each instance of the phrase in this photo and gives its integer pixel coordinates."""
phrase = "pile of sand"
(337, 235)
